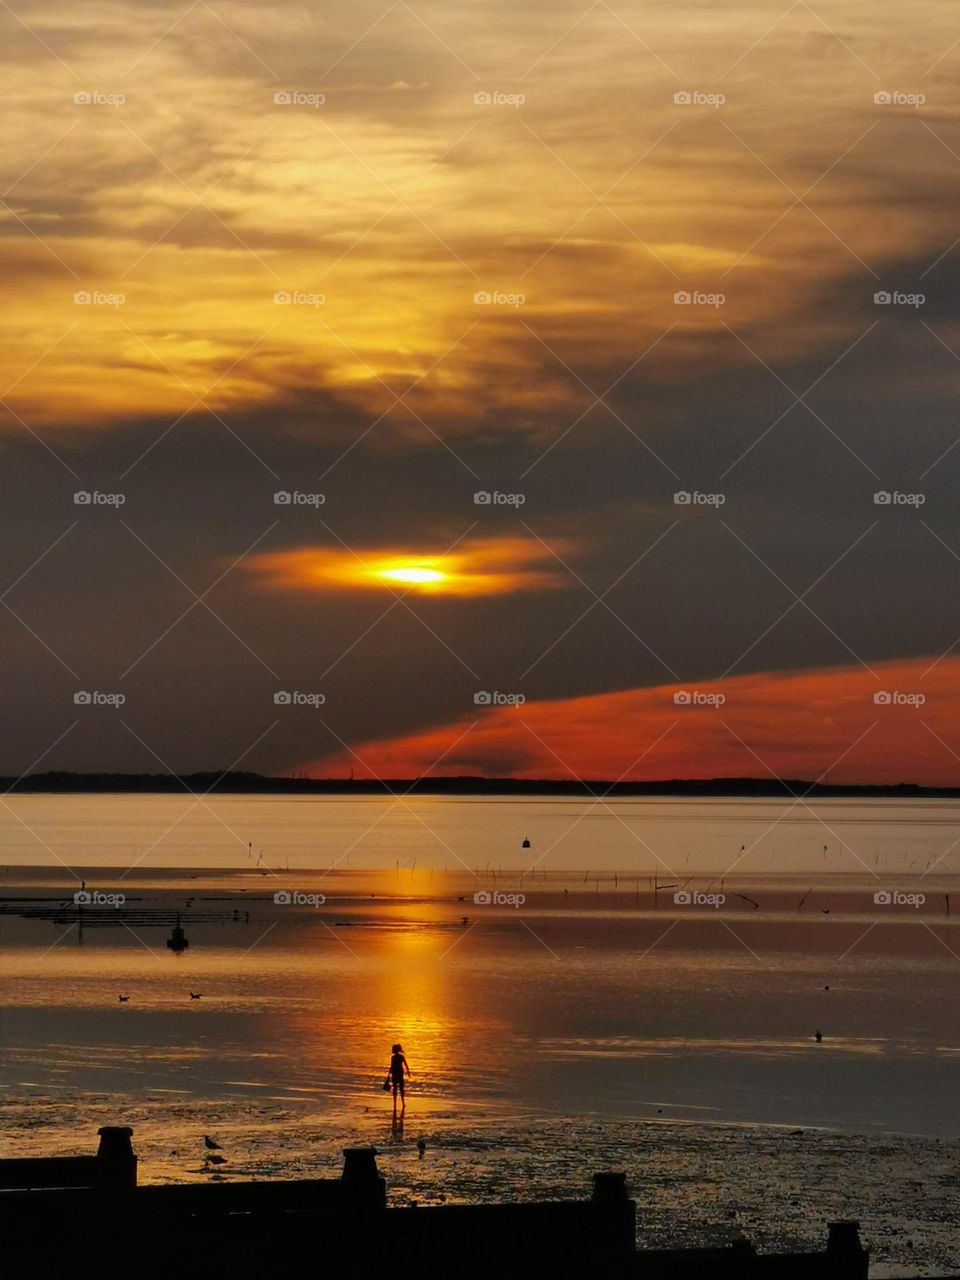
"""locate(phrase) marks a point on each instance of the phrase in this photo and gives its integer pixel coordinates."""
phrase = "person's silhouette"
(399, 1069)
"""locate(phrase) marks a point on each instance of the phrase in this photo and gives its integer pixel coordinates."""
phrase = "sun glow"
(478, 567)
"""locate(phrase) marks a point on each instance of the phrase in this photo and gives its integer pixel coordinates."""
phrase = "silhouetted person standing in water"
(399, 1068)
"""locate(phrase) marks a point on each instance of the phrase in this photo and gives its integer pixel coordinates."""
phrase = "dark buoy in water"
(526, 843)
(178, 940)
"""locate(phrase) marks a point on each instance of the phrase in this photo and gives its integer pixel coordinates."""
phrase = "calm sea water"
(630, 836)
(641, 986)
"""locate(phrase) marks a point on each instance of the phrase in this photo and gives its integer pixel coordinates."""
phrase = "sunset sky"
(286, 287)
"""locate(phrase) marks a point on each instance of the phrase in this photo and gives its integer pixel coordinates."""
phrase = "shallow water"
(598, 1022)
(635, 836)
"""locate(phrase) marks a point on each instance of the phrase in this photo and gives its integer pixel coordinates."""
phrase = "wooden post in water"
(115, 1153)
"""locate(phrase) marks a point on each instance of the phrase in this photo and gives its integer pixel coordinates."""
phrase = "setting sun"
(413, 575)
(475, 567)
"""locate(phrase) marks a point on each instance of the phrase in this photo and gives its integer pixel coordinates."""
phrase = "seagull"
(195, 995)
(210, 1144)
(216, 1160)
(123, 999)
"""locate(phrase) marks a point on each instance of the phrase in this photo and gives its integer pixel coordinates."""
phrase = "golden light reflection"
(483, 566)
(405, 991)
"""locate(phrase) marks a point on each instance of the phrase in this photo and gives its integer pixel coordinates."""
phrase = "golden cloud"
(199, 198)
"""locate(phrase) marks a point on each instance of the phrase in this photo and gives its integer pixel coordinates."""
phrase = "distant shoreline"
(234, 783)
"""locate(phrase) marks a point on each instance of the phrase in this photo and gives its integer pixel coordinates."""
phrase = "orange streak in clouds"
(803, 724)
(481, 566)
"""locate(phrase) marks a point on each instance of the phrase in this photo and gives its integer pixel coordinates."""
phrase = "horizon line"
(65, 780)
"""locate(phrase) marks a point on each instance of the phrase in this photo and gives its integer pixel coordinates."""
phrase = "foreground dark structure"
(85, 1216)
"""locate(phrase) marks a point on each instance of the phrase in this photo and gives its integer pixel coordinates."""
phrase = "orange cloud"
(835, 724)
(481, 566)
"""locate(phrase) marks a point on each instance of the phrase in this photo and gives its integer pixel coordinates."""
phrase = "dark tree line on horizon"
(240, 783)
